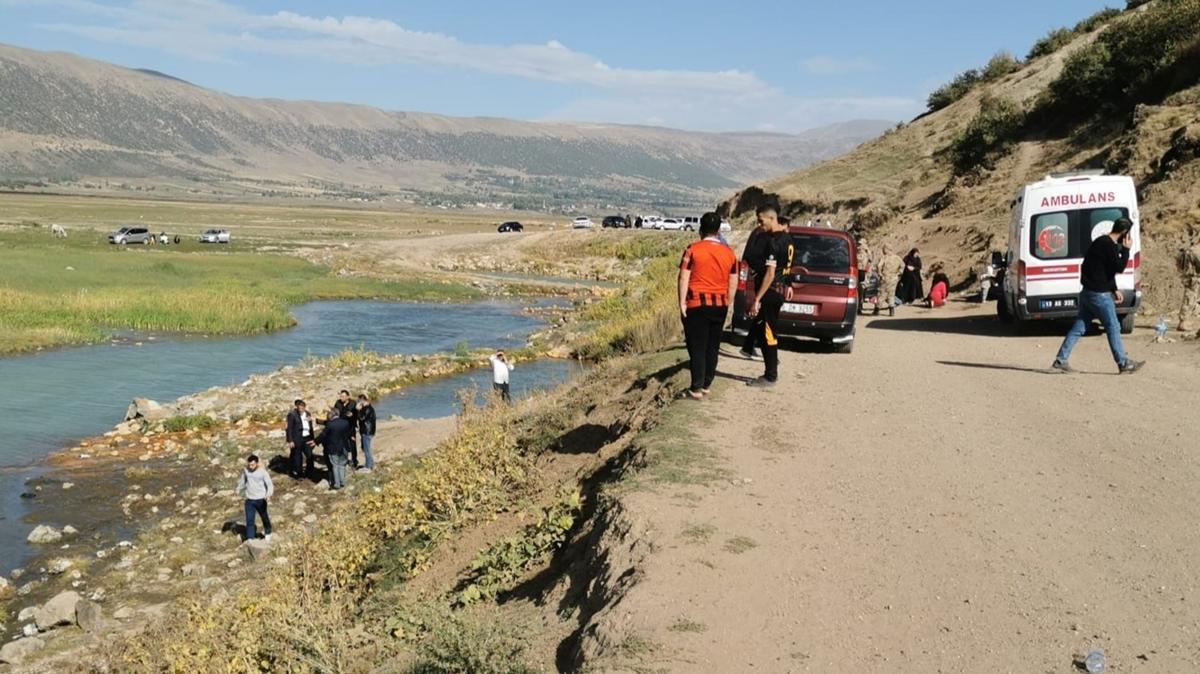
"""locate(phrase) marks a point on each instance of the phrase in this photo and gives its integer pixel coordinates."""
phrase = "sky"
(773, 65)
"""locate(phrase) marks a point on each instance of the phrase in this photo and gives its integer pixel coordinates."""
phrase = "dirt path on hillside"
(934, 502)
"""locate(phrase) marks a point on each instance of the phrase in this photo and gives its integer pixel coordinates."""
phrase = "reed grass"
(55, 292)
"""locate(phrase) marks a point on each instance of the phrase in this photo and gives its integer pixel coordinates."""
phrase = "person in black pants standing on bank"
(707, 281)
(771, 260)
(301, 438)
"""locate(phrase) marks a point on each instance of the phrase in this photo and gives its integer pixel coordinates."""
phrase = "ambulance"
(1053, 223)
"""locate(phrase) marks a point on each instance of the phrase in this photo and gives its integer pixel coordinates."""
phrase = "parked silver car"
(130, 235)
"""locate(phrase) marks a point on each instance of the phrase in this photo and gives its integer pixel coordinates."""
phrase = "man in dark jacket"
(366, 428)
(336, 441)
(1105, 258)
(346, 408)
(301, 438)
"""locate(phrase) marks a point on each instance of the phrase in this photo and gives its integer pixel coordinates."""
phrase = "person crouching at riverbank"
(301, 438)
(336, 441)
(366, 429)
(256, 486)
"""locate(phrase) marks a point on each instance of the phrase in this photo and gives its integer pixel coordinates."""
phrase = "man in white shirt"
(501, 369)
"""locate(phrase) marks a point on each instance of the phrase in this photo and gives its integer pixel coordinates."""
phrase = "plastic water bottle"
(1160, 328)
(1094, 662)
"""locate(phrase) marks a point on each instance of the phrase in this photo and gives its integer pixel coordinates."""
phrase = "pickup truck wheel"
(1127, 323)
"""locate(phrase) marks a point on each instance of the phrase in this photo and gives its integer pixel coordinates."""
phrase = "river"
(51, 399)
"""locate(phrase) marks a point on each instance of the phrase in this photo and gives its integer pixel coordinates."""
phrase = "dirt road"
(935, 502)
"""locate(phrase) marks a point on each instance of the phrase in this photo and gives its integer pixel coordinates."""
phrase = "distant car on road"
(215, 236)
(613, 221)
(691, 223)
(510, 227)
(127, 235)
(582, 222)
(651, 222)
(673, 224)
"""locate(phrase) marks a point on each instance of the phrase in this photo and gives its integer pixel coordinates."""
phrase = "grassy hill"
(1119, 91)
(67, 121)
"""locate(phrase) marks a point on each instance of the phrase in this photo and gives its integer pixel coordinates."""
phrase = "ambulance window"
(1051, 236)
(1099, 215)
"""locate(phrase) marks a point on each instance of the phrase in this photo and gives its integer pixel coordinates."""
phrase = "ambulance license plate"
(805, 309)
(1057, 304)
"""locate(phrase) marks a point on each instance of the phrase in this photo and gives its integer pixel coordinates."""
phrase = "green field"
(55, 292)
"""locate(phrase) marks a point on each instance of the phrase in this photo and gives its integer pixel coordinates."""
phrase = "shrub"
(194, 422)
(458, 643)
(1052, 42)
(954, 90)
(1096, 20)
(1000, 65)
(989, 134)
(1142, 59)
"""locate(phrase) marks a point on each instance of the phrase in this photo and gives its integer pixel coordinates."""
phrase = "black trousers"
(503, 390)
(766, 331)
(300, 453)
(702, 329)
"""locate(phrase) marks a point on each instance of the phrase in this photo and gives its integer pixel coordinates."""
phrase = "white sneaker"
(267, 538)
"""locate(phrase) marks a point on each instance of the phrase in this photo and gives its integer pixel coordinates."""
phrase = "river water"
(51, 399)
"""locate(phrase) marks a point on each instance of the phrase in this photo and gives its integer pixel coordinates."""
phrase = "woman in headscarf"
(911, 287)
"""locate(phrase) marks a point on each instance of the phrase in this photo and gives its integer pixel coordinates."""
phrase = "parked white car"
(215, 236)
(671, 224)
(691, 223)
(651, 222)
(582, 222)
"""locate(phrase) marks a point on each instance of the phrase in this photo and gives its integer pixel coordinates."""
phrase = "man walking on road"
(1105, 258)
(255, 483)
(708, 277)
(300, 440)
(889, 269)
(771, 260)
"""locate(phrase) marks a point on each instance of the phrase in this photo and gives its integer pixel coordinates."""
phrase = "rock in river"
(44, 533)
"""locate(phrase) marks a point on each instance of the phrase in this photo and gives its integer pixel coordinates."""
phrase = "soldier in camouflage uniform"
(1188, 262)
(889, 268)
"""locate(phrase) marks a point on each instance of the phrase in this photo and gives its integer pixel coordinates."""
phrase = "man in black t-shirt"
(770, 257)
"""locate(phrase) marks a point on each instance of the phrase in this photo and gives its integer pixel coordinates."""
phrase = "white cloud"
(212, 30)
(830, 66)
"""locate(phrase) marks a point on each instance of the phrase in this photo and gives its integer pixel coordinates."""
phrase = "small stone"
(68, 485)
(59, 565)
(310, 519)
(29, 630)
(123, 613)
(193, 570)
(89, 616)
(257, 549)
(69, 530)
(58, 611)
(6, 589)
(26, 614)
(15, 652)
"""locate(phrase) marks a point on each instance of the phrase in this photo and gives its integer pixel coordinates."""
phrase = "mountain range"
(68, 122)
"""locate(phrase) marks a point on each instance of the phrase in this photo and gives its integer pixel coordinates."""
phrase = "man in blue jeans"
(1105, 258)
(255, 483)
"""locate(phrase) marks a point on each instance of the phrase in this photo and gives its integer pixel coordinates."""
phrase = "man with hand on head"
(301, 438)
(771, 260)
(1106, 257)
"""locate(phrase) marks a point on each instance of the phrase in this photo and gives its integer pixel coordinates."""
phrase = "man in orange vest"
(708, 277)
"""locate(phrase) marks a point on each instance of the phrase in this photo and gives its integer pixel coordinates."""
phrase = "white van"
(1053, 223)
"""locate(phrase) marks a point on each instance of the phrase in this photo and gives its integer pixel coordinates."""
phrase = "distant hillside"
(1120, 91)
(69, 120)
